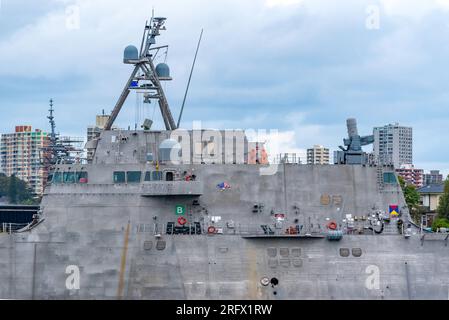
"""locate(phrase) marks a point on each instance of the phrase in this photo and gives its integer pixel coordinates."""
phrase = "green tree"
(16, 190)
(12, 189)
(443, 206)
(3, 185)
(411, 195)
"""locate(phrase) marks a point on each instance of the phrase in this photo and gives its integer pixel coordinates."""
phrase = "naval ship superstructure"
(195, 214)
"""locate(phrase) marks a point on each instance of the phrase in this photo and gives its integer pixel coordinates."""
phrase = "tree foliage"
(440, 223)
(15, 190)
(411, 195)
(443, 206)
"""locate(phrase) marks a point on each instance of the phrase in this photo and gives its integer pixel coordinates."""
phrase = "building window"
(134, 176)
(119, 177)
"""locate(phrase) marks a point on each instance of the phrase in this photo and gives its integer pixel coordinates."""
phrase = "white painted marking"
(73, 280)
(373, 280)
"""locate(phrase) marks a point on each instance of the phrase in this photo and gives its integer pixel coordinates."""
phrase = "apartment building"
(318, 155)
(21, 155)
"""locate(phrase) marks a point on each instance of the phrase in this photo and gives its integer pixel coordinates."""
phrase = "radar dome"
(163, 71)
(131, 53)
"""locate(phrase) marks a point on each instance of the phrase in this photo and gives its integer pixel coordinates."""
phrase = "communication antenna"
(190, 78)
(58, 149)
(52, 123)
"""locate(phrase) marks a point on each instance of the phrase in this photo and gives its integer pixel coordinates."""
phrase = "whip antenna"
(190, 78)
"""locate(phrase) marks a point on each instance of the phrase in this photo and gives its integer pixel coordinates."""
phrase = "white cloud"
(413, 8)
(311, 55)
(280, 142)
(282, 3)
(443, 4)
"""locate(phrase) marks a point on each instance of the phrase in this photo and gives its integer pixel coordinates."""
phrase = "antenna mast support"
(143, 61)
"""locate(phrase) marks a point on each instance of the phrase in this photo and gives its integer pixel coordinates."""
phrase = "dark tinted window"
(169, 176)
(119, 177)
(69, 177)
(148, 176)
(134, 176)
(57, 177)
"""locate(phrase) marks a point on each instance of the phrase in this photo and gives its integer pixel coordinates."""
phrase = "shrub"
(440, 223)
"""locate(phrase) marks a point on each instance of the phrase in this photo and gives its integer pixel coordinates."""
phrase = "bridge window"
(81, 177)
(134, 176)
(157, 176)
(69, 177)
(148, 176)
(119, 177)
(57, 177)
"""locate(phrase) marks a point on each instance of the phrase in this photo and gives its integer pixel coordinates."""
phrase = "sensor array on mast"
(145, 76)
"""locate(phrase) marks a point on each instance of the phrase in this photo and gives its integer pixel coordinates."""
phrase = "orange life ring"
(211, 230)
(182, 221)
(332, 225)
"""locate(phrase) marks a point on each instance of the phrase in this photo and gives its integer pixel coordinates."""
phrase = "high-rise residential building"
(94, 131)
(393, 145)
(318, 155)
(21, 155)
(434, 177)
(411, 175)
(100, 123)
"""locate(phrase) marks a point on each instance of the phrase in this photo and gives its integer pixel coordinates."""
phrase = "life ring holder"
(332, 225)
(211, 230)
(182, 221)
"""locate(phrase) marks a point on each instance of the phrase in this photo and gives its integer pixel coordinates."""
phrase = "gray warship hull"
(216, 221)
(116, 235)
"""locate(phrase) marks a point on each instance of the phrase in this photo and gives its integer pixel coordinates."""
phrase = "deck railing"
(12, 227)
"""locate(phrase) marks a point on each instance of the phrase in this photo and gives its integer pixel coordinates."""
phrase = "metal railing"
(265, 230)
(12, 227)
(273, 230)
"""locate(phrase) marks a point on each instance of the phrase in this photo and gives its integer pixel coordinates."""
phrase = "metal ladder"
(380, 179)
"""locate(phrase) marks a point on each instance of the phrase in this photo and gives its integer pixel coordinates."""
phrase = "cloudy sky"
(299, 66)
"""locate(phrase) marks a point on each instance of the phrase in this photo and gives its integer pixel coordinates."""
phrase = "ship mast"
(146, 74)
(59, 149)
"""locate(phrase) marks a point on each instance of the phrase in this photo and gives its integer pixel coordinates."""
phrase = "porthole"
(357, 252)
(344, 252)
